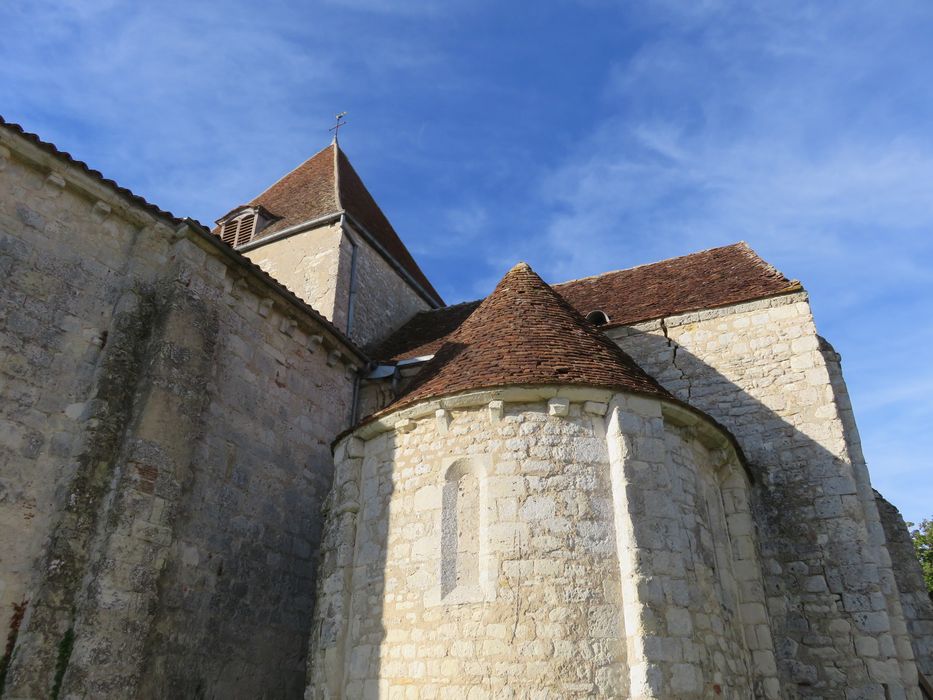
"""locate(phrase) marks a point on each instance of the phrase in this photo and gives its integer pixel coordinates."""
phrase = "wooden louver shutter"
(228, 233)
(245, 230)
(239, 231)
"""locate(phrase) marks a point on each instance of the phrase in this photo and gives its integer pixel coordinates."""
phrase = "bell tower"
(318, 231)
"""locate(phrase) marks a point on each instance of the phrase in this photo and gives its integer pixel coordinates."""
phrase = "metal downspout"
(351, 295)
(355, 402)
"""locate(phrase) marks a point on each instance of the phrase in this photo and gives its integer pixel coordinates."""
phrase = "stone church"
(265, 460)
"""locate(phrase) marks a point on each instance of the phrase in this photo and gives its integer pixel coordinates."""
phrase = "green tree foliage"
(922, 536)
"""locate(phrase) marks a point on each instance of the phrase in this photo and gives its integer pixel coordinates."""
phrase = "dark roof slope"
(327, 184)
(306, 193)
(705, 280)
(525, 333)
(359, 204)
(424, 333)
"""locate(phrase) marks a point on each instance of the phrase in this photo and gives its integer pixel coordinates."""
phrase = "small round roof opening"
(597, 317)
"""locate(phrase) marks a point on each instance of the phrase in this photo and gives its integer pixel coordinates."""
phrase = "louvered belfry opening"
(239, 230)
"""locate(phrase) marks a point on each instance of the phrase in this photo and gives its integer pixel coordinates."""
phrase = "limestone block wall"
(916, 600)
(165, 419)
(308, 263)
(334, 268)
(63, 260)
(761, 370)
(532, 542)
(383, 300)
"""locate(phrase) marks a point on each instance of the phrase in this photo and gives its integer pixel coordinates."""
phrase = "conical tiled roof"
(524, 333)
(327, 184)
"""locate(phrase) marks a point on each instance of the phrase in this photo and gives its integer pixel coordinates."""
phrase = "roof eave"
(140, 211)
(434, 301)
(542, 388)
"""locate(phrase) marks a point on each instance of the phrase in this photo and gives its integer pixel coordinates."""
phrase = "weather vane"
(340, 122)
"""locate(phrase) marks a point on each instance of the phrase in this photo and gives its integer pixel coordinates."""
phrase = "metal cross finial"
(340, 122)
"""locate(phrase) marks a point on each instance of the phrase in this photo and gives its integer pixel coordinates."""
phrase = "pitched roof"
(525, 333)
(424, 333)
(326, 184)
(306, 193)
(360, 205)
(704, 280)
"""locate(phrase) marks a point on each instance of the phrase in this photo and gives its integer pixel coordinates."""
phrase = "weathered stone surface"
(915, 599)
(166, 414)
(761, 370)
(308, 263)
(532, 551)
(164, 451)
(336, 271)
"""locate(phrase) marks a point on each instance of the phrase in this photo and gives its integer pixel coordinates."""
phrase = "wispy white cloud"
(788, 126)
(180, 97)
(587, 136)
(707, 138)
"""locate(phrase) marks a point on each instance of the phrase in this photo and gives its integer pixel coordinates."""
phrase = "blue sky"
(579, 136)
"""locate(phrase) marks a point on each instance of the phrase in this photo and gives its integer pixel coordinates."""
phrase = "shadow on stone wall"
(836, 618)
(184, 558)
(835, 613)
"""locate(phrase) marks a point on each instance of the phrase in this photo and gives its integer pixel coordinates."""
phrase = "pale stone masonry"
(762, 371)
(287, 470)
(165, 425)
(332, 267)
(571, 507)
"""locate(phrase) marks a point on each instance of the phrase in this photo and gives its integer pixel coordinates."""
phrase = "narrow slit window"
(460, 530)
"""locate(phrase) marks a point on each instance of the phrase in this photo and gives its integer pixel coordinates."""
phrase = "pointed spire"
(326, 185)
(525, 333)
(336, 127)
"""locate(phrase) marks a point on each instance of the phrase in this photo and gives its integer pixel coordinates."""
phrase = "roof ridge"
(738, 244)
(452, 306)
(757, 259)
(744, 246)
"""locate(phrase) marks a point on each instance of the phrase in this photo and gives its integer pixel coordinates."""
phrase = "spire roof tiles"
(327, 184)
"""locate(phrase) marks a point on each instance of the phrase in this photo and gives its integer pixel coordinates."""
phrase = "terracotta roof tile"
(424, 333)
(327, 184)
(525, 333)
(306, 193)
(704, 280)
